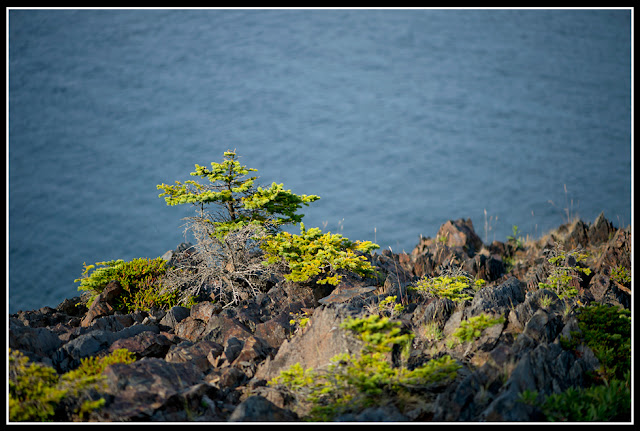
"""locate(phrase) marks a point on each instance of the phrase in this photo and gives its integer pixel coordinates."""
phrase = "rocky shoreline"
(211, 363)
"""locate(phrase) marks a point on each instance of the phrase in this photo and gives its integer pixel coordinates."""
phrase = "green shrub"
(455, 285)
(314, 254)
(610, 401)
(621, 275)
(354, 382)
(564, 269)
(605, 402)
(515, 239)
(389, 306)
(299, 319)
(140, 279)
(36, 391)
(471, 329)
(607, 332)
(33, 395)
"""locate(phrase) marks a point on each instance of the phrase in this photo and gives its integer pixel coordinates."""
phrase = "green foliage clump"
(140, 279)
(314, 254)
(564, 269)
(242, 202)
(299, 319)
(379, 334)
(515, 239)
(457, 287)
(36, 391)
(610, 401)
(607, 332)
(33, 395)
(621, 275)
(354, 382)
(390, 307)
(471, 329)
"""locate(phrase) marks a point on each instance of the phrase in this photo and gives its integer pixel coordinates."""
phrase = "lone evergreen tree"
(241, 202)
(227, 256)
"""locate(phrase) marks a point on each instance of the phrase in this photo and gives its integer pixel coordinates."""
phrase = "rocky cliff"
(210, 363)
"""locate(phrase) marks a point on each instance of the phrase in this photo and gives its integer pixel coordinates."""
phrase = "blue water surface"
(398, 119)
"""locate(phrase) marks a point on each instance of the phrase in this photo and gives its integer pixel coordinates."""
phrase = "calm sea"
(398, 119)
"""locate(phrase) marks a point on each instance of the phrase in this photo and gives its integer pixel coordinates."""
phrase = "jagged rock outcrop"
(210, 363)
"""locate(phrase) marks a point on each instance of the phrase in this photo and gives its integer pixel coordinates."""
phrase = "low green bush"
(36, 391)
(565, 268)
(140, 279)
(471, 329)
(456, 285)
(606, 330)
(621, 275)
(610, 401)
(354, 382)
(313, 255)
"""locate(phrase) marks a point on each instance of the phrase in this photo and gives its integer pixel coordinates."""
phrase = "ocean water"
(398, 119)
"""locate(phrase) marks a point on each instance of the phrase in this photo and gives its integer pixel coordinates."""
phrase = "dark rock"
(460, 233)
(546, 369)
(321, 340)
(180, 254)
(195, 404)
(144, 344)
(616, 253)
(486, 268)
(600, 231)
(142, 387)
(174, 316)
(68, 356)
(190, 329)
(543, 327)
(222, 327)
(204, 310)
(212, 364)
(203, 354)
(72, 307)
(497, 300)
(37, 343)
(424, 265)
(345, 292)
(258, 409)
(397, 267)
(103, 305)
(232, 349)
(227, 377)
(577, 236)
(437, 310)
(275, 331)
(463, 401)
(112, 323)
(522, 313)
(254, 350)
(387, 413)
